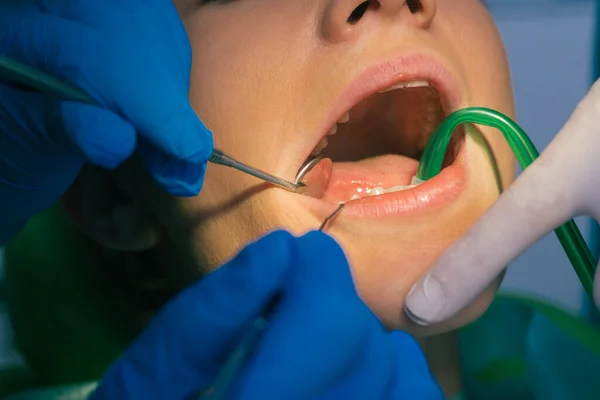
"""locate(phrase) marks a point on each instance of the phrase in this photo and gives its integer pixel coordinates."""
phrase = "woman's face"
(270, 78)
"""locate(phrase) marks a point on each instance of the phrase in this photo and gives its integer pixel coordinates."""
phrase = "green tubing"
(433, 157)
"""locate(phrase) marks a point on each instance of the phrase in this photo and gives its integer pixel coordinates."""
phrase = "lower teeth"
(379, 190)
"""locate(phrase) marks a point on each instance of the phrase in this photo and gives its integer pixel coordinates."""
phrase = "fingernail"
(425, 301)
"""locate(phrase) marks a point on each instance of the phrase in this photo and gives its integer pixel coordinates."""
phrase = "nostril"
(359, 12)
(414, 6)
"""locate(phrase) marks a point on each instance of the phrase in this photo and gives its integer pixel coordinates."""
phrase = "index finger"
(557, 186)
(151, 95)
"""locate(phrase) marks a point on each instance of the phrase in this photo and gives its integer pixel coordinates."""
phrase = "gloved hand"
(133, 57)
(562, 183)
(321, 342)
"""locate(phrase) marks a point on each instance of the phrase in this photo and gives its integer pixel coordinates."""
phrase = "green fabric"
(524, 349)
(14, 379)
(51, 298)
(68, 392)
(459, 396)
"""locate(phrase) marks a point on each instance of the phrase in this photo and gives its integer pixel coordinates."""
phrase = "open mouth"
(375, 148)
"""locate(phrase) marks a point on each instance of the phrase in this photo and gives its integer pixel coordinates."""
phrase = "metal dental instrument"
(37, 80)
(222, 385)
(306, 168)
(331, 217)
(218, 157)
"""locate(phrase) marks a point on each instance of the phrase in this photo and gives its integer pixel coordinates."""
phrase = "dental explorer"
(37, 80)
(219, 390)
(331, 217)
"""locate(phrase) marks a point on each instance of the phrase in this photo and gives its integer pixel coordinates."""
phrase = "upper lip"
(406, 68)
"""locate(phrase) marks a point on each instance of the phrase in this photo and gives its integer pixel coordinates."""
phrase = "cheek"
(483, 60)
(486, 70)
(218, 226)
(245, 81)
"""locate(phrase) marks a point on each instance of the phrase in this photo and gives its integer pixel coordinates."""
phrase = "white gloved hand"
(562, 183)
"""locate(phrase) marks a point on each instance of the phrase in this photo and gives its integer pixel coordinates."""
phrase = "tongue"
(342, 180)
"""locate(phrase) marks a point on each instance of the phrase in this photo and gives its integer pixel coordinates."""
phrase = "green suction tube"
(525, 151)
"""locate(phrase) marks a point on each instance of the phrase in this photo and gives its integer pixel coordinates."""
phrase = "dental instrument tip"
(315, 175)
(331, 217)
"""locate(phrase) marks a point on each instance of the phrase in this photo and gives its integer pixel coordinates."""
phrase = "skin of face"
(264, 75)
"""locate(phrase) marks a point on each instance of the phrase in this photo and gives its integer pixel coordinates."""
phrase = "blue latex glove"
(133, 57)
(322, 342)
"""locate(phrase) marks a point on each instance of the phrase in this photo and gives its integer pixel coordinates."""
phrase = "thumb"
(101, 136)
(104, 139)
(183, 348)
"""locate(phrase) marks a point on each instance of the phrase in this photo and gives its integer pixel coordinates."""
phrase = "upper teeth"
(404, 85)
(320, 146)
(323, 143)
(346, 117)
(343, 119)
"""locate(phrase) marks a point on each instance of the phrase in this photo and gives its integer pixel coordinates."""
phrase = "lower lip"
(437, 192)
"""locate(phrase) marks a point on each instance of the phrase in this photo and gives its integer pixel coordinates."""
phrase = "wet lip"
(438, 191)
(434, 193)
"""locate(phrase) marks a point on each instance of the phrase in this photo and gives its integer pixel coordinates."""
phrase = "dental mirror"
(315, 174)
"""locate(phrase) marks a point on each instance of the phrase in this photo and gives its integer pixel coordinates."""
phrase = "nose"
(345, 19)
